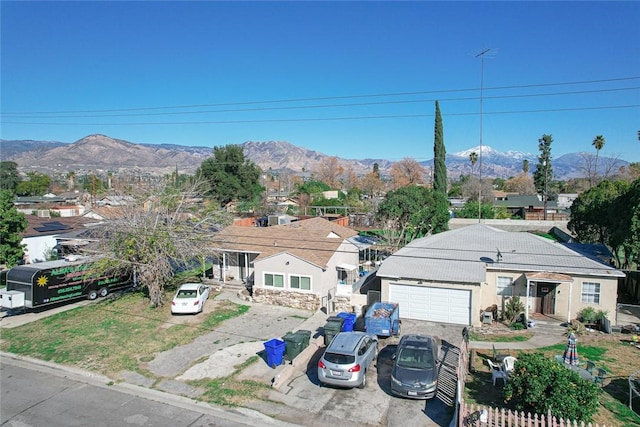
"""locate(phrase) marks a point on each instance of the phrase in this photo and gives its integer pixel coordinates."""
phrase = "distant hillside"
(103, 153)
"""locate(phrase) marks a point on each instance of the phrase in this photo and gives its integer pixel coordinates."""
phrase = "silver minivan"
(346, 360)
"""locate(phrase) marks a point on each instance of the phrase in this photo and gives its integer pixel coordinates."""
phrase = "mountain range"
(103, 153)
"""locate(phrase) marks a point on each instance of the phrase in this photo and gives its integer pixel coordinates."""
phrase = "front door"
(547, 298)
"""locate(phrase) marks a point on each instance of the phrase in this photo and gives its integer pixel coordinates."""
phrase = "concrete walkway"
(544, 334)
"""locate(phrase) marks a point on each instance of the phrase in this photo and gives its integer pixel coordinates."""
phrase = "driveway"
(305, 401)
(300, 399)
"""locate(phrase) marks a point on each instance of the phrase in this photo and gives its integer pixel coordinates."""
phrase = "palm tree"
(474, 158)
(598, 143)
(71, 177)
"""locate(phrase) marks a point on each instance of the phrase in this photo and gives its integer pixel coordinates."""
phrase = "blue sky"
(350, 79)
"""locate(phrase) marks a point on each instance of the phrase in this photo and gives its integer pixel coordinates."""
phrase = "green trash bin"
(332, 327)
(296, 342)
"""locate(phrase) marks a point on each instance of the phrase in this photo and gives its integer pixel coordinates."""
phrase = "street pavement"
(38, 393)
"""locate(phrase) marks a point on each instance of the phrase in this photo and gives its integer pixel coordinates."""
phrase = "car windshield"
(414, 358)
(186, 294)
(340, 359)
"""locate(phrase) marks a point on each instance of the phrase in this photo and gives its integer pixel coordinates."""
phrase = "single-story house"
(453, 276)
(300, 264)
(529, 207)
(42, 235)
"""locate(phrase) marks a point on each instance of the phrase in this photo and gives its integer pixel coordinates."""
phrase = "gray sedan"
(346, 359)
(415, 367)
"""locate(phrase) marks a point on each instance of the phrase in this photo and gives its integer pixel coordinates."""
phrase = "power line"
(322, 119)
(307, 107)
(330, 97)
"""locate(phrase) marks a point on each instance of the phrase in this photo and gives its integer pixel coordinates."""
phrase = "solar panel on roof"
(51, 226)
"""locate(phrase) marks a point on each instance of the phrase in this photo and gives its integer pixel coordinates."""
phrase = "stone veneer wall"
(342, 303)
(288, 299)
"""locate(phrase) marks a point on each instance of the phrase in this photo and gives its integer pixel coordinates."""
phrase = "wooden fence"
(494, 417)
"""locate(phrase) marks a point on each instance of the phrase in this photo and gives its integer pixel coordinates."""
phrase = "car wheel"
(364, 380)
(103, 292)
(93, 294)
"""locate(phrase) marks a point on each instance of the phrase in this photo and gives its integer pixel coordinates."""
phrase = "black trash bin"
(296, 342)
(332, 327)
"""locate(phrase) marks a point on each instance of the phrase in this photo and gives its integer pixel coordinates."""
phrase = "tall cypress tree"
(439, 154)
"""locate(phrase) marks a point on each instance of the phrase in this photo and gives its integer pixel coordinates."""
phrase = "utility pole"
(481, 55)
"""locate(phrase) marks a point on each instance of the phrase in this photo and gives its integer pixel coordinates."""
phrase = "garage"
(432, 304)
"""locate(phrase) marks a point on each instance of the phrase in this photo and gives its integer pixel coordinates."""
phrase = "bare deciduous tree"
(329, 172)
(407, 172)
(350, 178)
(471, 190)
(158, 229)
(521, 184)
(372, 185)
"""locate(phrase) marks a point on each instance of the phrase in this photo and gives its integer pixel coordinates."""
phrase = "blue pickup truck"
(383, 319)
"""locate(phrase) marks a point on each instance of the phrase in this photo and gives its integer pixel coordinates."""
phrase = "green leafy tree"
(592, 218)
(36, 184)
(93, 184)
(411, 212)
(9, 177)
(624, 236)
(230, 176)
(439, 166)
(525, 166)
(543, 174)
(470, 210)
(540, 385)
(12, 224)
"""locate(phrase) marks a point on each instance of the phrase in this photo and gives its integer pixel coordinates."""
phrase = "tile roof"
(463, 255)
(314, 240)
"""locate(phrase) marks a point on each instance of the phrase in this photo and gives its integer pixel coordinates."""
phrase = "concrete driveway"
(307, 402)
(299, 397)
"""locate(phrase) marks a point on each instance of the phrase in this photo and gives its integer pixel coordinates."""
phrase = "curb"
(242, 416)
(298, 364)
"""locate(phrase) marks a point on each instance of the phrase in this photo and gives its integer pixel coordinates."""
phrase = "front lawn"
(114, 334)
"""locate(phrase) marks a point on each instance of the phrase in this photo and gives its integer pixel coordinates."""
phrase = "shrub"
(601, 315)
(588, 315)
(576, 327)
(538, 384)
(512, 308)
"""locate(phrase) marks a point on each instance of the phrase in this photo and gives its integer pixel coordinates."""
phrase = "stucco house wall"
(493, 265)
(314, 248)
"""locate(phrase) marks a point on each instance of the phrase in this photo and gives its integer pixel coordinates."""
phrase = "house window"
(590, 292)
(300, 282)
(274, 280)
(504, 286)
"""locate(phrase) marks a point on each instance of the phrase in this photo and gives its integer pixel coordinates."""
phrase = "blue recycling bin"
(349, 321)
(275, 352)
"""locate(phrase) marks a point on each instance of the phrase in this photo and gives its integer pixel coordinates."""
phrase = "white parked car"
(190, 298)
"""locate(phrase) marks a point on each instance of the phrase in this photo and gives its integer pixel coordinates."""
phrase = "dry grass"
(113, 335)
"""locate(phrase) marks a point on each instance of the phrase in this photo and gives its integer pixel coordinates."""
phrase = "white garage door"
(433, 304)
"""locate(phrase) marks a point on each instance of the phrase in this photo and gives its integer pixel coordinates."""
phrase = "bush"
(588, 315)
(538, 384)
(512, 309)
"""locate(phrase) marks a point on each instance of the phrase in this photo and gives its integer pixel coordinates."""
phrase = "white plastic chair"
(497, 372)
(508, 363)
